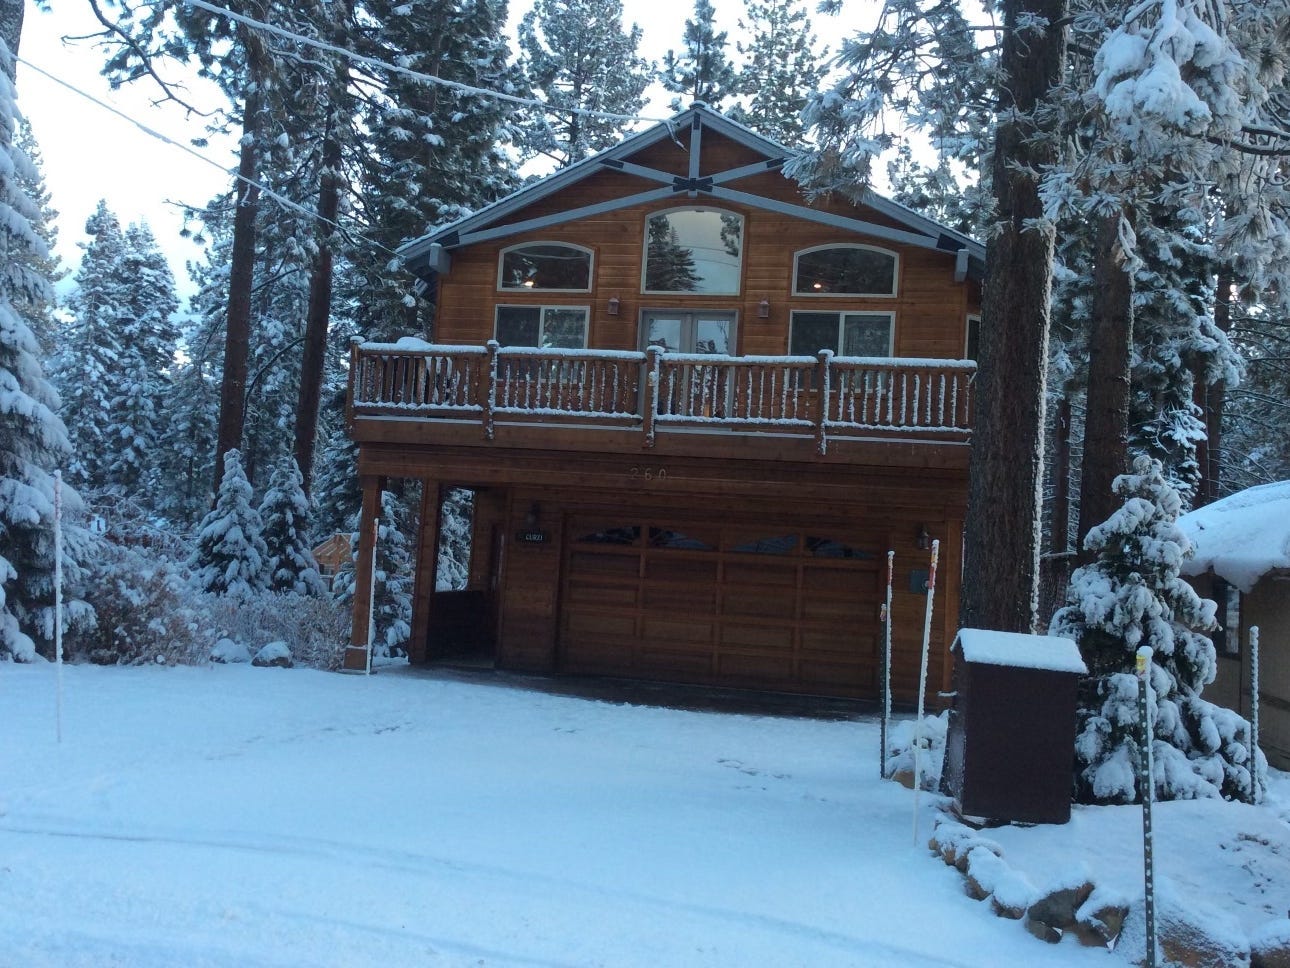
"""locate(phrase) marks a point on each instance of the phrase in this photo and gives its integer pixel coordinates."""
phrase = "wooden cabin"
(696, 410)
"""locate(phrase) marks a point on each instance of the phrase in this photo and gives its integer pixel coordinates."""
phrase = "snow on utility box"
(1010, 751)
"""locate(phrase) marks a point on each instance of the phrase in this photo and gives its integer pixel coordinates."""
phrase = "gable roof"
(425, 256)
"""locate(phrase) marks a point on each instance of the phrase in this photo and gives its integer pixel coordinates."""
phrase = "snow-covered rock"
(230, 651)
(273, 654)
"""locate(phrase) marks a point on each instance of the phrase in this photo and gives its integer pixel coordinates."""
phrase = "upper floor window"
(550, 327)
(845, 270)
(846, 334)
(698, 250)
(545, 265)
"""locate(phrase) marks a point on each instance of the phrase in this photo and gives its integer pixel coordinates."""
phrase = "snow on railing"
(825, 393)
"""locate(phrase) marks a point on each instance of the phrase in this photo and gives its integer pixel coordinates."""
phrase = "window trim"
(591, 265)
(841, 314)
(542, 311)
(743, 246)
(895, 272)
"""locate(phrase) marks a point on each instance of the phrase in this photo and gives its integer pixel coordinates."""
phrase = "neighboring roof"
(420, 255)
(1242, 537)
(1020, 651)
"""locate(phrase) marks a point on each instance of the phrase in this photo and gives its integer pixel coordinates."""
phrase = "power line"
(398, 69)
(232, 172)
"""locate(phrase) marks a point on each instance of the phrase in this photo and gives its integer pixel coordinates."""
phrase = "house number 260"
(648, 474)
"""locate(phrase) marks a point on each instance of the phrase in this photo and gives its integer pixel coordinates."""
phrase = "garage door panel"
(757, 602)
(766, 571)
(663, 630)
(660, 566)
(601, 594)
(823, 673)
(593, 563)
(734, 635)
(678, 662)
(760, 668)
(691, 599)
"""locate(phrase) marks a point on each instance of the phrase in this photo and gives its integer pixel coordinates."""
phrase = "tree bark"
(241, 277)
(1212, 399)
(318, 315)
(1106, 427)
(1001, 543)
(11, 17)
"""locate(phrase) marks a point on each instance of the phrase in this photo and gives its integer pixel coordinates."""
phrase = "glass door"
(688, 389)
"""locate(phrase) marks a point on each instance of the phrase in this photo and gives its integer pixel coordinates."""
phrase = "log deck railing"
(655, 390)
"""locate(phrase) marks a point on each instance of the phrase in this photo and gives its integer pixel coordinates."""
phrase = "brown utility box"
(1010, 750)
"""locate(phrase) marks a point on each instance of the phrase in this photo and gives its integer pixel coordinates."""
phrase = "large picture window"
(694, 250)
(550, 266)
(550, 327)
(845, 270)
(846, 334)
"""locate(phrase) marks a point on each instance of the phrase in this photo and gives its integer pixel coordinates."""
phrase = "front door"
(689, 332)
(691, 390)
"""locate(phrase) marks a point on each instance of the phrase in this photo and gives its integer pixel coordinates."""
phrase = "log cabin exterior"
(696, 411)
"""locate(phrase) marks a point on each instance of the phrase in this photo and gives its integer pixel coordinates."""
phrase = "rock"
(1196, 944)
(1042, 931)
(274, 654)
(228, 650)
(1099, 927)
(1057, 908)
(1270, 945)
(1006, 909)
(985, 870)
(905, 778)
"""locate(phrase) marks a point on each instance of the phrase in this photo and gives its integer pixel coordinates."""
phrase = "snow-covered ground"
(235, 816)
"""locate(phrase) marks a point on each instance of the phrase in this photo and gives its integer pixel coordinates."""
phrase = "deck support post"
(649, 404)
(822, 416)
(357, 656)
(427, 568)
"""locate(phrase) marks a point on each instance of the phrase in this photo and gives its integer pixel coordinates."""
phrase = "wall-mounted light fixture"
(613, 306)
(763, 309)
(924, 540)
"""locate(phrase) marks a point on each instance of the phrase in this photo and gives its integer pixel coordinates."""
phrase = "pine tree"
(702, 71)
(579, 58)
(230, 557)
(39, 313)
(434, 152)
(781, 69)
(1132, 596)
(338, 497)
(284, 511)
(33, 440)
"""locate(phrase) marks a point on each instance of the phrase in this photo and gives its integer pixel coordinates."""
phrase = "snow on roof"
(1241, 537)
(1020, 651)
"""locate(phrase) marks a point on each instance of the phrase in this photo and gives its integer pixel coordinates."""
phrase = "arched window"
(845, 270)
(698, 250)
(550, 266)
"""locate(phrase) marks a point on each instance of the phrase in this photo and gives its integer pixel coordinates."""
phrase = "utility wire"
(398, 69)
(166, 139)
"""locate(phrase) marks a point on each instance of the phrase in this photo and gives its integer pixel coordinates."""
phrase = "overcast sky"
(89, 153)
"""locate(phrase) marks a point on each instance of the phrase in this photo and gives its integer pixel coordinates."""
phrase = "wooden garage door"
(753, 606)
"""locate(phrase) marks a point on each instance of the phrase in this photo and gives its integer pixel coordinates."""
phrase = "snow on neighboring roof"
(1242, 537)
(1020, 651)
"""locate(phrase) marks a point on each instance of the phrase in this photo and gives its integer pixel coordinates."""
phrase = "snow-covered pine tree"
(87, 365)
(781, 69)
(578, 58)
(702, 71)
(284, 512)
(434, 152)
(395, 572)
(337, 495)
(39, 313)
(456, 519)
(1132, 596)
(230, 557)
(33, 440)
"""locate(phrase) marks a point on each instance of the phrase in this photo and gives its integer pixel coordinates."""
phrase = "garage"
(750, 605)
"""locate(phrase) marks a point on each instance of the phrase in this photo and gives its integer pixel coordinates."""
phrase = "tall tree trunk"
(1106, 426)
(11, 17)
(1059, 529)
(1001, 544)
(1212, 399)
(241, 277)
(318, 315)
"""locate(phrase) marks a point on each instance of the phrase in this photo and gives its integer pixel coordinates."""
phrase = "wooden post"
(427, 567)
(822, 415)
(356, 654)
(649, 399)
(490, 396)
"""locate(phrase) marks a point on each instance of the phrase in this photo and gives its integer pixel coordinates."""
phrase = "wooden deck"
(786, 408)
